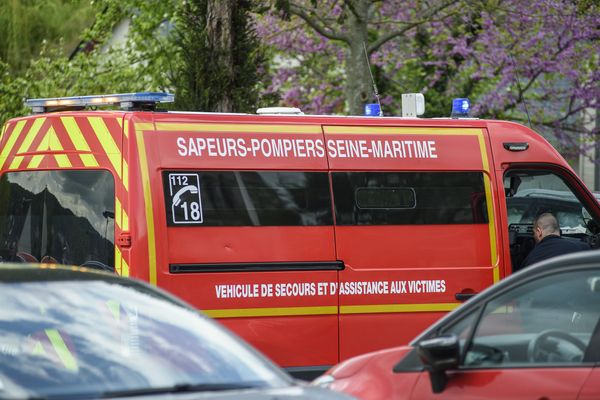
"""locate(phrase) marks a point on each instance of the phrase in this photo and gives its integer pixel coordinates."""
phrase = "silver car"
(72, 333)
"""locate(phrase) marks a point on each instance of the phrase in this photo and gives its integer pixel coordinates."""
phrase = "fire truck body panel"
(314, 238)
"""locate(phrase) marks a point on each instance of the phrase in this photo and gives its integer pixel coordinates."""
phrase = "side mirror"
(439, 355)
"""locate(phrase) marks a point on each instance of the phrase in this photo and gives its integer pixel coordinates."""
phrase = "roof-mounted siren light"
(373, 110)
(145, 101)
(279, 111)
(413, 105)
(460, 108)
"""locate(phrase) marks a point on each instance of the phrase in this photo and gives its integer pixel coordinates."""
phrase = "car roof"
(44, 272)
(572, 261)
(32, 272)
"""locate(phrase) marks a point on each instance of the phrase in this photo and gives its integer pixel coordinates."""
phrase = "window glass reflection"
(62, 216)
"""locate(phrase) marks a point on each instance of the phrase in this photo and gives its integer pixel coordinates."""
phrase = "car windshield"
(81, 339)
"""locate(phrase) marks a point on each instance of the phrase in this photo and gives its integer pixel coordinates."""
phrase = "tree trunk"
(219, 30)
(358, 80)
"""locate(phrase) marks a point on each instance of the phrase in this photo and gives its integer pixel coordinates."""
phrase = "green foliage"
(99, 67)
(26, 24)
(54, 75)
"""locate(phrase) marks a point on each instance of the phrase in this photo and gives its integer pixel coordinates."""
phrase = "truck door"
(414, 224)
(245, 232)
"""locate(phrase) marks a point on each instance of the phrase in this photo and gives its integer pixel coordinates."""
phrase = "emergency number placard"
(183, 199)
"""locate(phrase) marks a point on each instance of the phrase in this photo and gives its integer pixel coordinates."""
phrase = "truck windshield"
(62, 216)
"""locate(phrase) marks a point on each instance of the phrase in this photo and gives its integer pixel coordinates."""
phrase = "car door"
(536, 340)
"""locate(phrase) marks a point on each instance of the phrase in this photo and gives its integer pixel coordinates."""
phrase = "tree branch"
(385, 38)
(321, 29)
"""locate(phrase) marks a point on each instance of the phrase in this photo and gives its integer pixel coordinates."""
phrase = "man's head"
(544, 225)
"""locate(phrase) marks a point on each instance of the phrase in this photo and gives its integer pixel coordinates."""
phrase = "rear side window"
(247, 198)
(409, 198)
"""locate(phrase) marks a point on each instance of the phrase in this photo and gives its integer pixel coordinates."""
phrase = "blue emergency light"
(373, 110)
(460, 107)
(127, 101)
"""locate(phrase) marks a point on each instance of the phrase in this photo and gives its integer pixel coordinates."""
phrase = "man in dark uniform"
(549, 243)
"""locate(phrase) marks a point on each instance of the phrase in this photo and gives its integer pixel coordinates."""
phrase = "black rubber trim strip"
(464, 296)
(257, 267)
(307, 373)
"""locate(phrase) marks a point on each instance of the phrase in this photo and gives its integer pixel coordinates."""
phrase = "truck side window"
(409, 198)
(247, 198)
(530, 193)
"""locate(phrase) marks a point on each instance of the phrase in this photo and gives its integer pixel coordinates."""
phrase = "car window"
(83, 339)
(548, 321)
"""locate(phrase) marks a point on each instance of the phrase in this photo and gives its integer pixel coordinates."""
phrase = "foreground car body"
(70, 333)
(534, 335)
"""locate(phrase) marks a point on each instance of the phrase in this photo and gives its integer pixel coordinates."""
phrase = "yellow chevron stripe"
(126, 129)
(121, 216)
(118, 215)
(118, 259)
(12, 139)
(4, 128)
(108, 144)
(124, 268)
(232, 127)
(115, 309)
(55, 145)
(43, 146)
(79, 141)
(29, 138)
(125, 223)
(62, 350)
(126, 175)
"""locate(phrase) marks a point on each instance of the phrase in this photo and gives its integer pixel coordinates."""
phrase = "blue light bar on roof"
(460, 107)
(125, 100)
(373, 110)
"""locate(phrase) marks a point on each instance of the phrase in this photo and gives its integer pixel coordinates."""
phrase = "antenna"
(373, 80)
(520, 89)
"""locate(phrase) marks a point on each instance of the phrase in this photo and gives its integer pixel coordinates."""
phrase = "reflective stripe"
(118, 213)
(200, 127)
(29, 138)
(55, 145)
(38, 349)
(14, 135)
(62, 350)
(115, 309)
(384, 130)
(118, 260)
(330, 310)
(124, 268)
(125, 222)
(108, 143)
(397, 308)
(125, 178)
(79, 141)
(121, 266)
(139, 135)
(271, 312)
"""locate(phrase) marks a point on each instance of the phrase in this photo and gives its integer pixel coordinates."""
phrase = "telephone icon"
(177, 197)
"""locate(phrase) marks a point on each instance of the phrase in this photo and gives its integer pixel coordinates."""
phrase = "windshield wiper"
(179, 388)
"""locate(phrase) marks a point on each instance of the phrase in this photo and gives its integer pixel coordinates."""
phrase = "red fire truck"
(315, 238)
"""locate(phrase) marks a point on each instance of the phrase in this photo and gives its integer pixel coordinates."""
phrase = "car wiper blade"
(179, 388)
